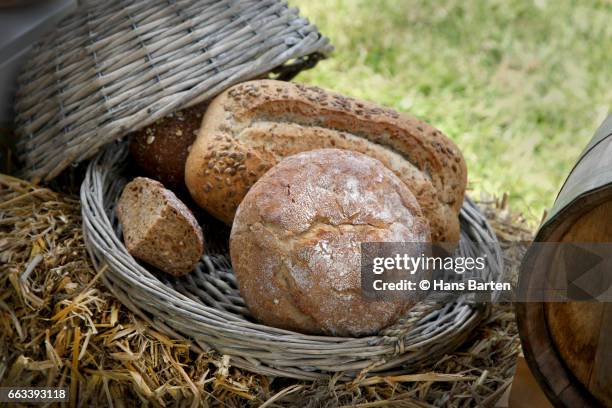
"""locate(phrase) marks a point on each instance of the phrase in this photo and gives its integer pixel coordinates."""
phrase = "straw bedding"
(61, 327)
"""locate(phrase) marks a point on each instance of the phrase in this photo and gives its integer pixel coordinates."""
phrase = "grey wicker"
(118, 65)
(205, 306)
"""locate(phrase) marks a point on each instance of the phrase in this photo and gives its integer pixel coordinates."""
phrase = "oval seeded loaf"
(251, 126)
(296, 242)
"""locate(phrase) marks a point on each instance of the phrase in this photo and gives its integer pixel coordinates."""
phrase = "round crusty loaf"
(251, 126)
(161, 149)
(295, 242)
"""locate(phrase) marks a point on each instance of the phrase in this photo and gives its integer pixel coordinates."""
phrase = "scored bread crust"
(251, 126)
(295, 242)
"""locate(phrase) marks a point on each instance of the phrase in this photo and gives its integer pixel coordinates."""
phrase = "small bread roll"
(295, 241)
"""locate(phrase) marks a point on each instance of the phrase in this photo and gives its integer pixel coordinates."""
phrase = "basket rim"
(383, 350)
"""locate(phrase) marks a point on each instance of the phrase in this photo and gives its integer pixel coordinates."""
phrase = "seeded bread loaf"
(251, 126)
(158, 228)
(161, 149)
(295, 241)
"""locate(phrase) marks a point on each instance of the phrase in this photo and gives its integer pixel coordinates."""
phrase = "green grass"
(520, 86)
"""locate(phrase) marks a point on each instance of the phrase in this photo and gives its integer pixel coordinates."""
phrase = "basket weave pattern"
(116, 66)
(206, 308)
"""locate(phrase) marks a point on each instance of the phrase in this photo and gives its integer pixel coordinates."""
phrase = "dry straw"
(116, 66)
(60, 326)
(206, 306)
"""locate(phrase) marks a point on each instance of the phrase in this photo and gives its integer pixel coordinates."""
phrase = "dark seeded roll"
(161, 149)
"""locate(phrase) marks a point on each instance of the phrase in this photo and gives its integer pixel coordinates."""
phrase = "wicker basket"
(116, 66)
(206, 308)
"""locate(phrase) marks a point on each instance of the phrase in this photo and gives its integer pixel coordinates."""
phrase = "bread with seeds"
(161, 148)
(252, 126)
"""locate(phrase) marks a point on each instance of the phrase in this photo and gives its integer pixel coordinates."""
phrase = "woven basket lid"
(116, 66)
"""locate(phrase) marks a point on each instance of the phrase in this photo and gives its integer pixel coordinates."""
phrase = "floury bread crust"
(252, 126)
(295, 241)
(158, 228)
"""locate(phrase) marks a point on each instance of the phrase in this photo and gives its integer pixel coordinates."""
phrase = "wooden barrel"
(568, 346)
